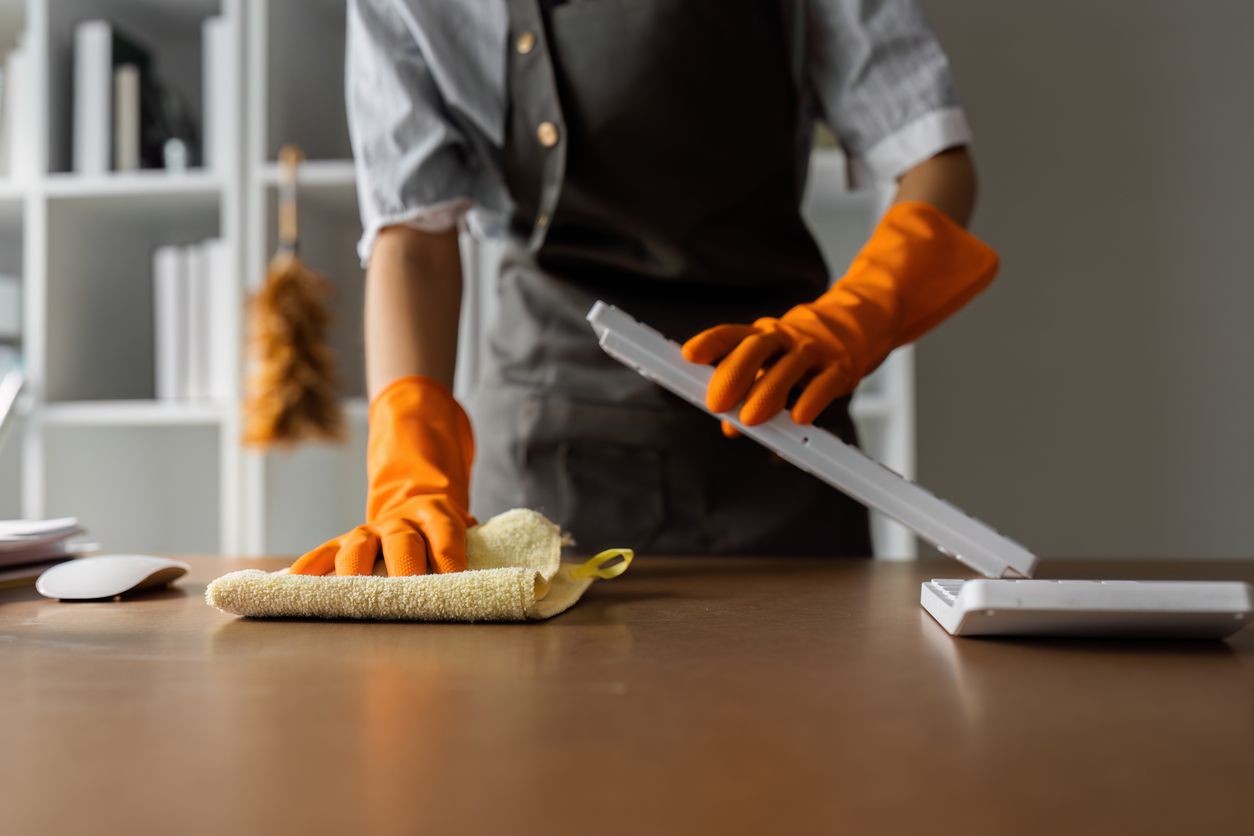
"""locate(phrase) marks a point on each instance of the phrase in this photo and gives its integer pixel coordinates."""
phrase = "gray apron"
(652, 153)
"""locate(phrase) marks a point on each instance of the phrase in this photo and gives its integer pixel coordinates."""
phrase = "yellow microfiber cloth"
(515, 573)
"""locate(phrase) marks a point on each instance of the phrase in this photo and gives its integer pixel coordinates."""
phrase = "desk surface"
(689, 696)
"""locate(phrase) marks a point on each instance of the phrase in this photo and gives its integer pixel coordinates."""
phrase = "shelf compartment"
(170, 31)
(99, 334)
(303, 58)
(117, 481)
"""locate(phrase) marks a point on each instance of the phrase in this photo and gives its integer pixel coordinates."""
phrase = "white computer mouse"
(107, 576)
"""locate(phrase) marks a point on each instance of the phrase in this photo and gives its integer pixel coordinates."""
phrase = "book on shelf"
(199, 329)
(221, 343)
(17, 147)
(99, 49)
(169, 329)
(126, 118)
(193, 303)
(216, 82)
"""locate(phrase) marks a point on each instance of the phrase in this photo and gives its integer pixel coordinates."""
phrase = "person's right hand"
(418, 464)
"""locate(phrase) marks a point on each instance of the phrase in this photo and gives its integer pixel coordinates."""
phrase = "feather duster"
(292, 386)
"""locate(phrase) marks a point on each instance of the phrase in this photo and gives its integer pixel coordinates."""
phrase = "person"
(652, 155)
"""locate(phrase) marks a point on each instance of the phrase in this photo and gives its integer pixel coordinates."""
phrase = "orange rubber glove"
(918, 267)
(418, 465)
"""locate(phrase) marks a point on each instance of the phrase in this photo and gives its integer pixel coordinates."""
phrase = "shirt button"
(547, 134)
(542, 221)
(525, 43)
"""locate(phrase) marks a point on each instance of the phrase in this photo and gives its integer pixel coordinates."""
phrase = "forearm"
(413, 307)
(917, 269)
(947, 181)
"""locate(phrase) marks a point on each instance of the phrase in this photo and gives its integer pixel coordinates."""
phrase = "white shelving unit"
(148, 475)
(142, 474)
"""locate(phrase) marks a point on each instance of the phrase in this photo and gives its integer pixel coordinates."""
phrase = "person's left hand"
(421, 535)
(418, 463)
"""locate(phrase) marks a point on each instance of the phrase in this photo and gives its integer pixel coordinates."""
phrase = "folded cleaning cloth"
(515, 573)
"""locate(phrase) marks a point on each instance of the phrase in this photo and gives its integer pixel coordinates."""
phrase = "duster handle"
(290, 158)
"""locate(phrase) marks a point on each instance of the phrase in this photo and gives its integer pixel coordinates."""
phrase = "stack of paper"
(28, 547)
(194, 305)
(27, 541)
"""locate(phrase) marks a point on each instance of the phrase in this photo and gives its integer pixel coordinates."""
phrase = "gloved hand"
(418, 465)
(918, 267)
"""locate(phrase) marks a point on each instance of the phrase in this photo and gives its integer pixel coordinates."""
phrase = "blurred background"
(1095, 402)
(1099, 400)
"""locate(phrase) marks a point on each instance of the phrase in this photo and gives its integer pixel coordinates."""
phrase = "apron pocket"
(610, 495)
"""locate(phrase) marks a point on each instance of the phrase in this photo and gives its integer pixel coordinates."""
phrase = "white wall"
(1099, 400)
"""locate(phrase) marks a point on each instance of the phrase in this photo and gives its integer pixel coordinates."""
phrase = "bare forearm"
(947, 181)
(413, 305)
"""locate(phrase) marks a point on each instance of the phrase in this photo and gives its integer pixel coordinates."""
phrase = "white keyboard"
(817, 451)
(1146, 609)
(968, 608)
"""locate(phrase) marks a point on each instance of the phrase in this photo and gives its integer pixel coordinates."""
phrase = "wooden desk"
(689, 696)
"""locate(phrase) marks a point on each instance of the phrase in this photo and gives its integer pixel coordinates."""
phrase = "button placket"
(538, 104)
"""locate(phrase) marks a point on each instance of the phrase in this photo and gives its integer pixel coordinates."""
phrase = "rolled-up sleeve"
(883, 85)
(414, 164)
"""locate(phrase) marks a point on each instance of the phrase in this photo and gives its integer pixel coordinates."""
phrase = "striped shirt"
(426, 95)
